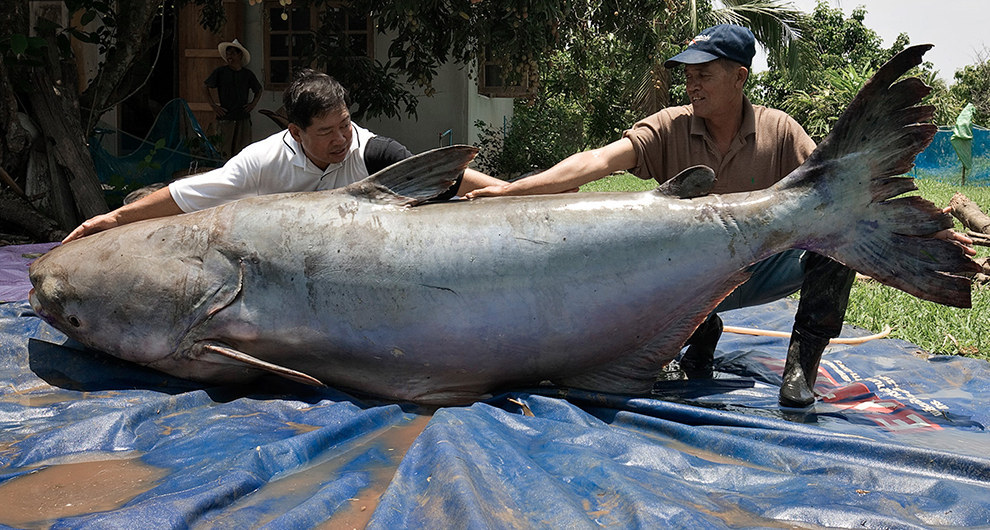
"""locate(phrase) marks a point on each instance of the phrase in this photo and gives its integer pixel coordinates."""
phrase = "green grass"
(620, 182)
(933, 327)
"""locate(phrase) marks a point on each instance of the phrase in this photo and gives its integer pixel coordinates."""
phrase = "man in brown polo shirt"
(749, 147)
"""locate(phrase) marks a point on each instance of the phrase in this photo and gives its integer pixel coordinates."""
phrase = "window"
(290, 41)
(357, 30)
(492, 83)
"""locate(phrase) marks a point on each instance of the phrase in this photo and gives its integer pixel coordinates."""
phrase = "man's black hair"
(310, 95)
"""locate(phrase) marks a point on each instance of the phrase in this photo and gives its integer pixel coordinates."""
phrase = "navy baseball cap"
(725, 41)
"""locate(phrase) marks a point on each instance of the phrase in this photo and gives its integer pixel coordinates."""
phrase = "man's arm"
(475, 179)
(256, 88)
(571, 173)
(158, 204)
(220, 111)
(253, 103)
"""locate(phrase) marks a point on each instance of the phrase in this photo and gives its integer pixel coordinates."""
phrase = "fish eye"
(74, 321)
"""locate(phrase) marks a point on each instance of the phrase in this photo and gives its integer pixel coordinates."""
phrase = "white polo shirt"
(276, 164)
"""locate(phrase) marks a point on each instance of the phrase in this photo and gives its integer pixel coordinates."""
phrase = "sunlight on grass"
(620, 182)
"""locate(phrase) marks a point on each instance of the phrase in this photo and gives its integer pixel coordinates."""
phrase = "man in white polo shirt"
(321, 149)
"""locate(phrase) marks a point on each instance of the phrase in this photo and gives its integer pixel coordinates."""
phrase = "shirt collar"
(296, 150)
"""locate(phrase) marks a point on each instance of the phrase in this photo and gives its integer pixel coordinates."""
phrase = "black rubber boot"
(801, 369)
(824, 298)
(698, 362)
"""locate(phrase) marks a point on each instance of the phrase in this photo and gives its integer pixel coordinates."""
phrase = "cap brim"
(689, 56)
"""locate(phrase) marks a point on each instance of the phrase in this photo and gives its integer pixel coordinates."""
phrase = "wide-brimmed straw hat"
(222, 48)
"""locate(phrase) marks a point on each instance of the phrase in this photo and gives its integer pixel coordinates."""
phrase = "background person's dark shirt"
(232, 88)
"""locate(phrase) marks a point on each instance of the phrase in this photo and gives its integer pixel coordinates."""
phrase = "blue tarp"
(899, 440)
(940, 161)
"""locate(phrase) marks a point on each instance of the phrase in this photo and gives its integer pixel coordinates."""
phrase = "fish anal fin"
(636, 371)
(694, 181)
(225, 351)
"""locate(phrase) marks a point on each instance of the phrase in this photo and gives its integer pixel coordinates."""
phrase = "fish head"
(71, 293)
(113, 292)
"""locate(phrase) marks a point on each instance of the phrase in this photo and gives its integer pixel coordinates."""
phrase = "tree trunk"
(14, 140)
(55, 106)
(14, 210)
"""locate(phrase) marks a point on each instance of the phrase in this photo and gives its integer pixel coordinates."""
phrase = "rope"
(784, 334)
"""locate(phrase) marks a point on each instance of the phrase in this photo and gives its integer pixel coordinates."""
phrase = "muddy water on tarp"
(105, 482)
(287, 493)
(397, 440)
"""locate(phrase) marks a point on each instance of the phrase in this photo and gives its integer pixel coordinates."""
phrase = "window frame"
(502, 90)
(294, 61)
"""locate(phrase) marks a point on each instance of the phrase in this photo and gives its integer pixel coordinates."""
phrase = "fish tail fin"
(859, 167)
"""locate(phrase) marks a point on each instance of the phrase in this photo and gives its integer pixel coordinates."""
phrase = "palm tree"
(776, 24)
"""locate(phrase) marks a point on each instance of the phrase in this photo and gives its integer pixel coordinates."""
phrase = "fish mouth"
(36, 305)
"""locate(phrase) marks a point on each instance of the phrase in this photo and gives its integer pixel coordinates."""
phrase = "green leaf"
(18, 43)
(37, 43)
(64, 45)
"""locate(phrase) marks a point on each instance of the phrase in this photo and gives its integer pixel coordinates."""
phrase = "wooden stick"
(10, 182)
(784, 334)
(979, 238)
(969, 214)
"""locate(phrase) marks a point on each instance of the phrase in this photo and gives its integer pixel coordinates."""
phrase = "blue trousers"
(776, 277)
(824, 284)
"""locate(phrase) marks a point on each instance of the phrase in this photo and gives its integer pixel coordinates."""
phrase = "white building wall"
(446, 117)
(254, 30)
(454, 107)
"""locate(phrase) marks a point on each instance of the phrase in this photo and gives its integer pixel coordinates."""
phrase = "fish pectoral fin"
(693, 182)
(211, 347)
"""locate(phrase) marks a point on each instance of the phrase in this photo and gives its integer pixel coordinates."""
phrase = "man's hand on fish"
(956, 237)
(91, 226)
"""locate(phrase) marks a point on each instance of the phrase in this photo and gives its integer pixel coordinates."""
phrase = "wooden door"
(198, 55)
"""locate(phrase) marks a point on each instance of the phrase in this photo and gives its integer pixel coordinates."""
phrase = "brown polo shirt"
(769, 145)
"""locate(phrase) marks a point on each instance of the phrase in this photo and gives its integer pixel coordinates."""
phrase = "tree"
(845, 54)
(972, 85)
(39, 78)
(608, 70)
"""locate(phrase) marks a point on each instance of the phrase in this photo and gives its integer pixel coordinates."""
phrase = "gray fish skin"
(369, 288)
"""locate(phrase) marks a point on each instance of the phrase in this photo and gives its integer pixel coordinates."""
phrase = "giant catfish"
(375, 289)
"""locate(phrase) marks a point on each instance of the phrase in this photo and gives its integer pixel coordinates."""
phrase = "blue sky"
(959, 29)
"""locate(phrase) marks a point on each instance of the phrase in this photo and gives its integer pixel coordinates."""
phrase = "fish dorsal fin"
(694, 181)
(205, 348)
(418, 178)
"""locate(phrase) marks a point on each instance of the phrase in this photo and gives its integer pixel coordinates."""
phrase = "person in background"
(227, 89)
(321, 149)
